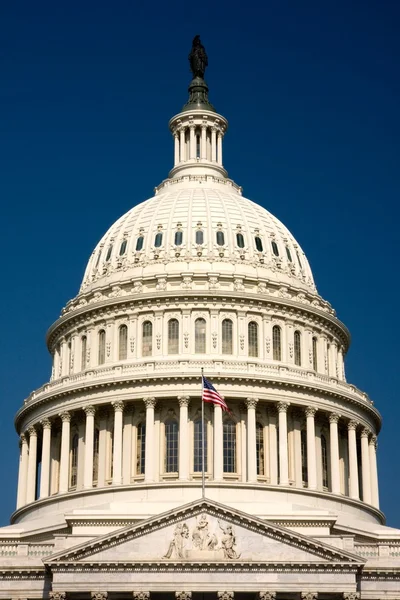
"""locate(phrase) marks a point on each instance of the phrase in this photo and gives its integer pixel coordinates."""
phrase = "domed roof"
(198, 225)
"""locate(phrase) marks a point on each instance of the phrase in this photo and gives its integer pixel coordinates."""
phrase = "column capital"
(282, 406)
(267, 595)
(225, 595)
(251, 402)
(352, 425)
(23, 439)
(99, 595)
(141, 595)
(310, 412)
(57, 595)
(309, 595)
(373, 440)
(89, 410)
(65, 417)
(183, 402)
(183, 595)
(365, 432)
(351, 595)
(150, 402)
(334, 417)
(45, 423)
(118, 405)
(32, 431)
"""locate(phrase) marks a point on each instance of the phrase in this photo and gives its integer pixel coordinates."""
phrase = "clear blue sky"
(311, 90)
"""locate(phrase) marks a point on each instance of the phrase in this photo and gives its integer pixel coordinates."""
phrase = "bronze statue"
(198, 58)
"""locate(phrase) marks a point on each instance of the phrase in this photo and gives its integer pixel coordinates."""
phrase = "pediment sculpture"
(207, 538)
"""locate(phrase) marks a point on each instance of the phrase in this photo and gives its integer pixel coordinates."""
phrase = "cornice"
(133, 380)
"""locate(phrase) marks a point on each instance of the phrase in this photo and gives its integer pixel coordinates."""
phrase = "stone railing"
(379, 550)
(148, 368)
(25, 549)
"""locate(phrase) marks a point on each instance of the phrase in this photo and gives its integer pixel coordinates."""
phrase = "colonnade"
(282, 446)
(197, 141)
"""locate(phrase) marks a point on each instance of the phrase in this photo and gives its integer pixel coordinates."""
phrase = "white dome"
(188, 205)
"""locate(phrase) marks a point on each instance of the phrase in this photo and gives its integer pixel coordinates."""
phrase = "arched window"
(158, 240)
(288, 254)
(197, 449)
(178, 238)
(314, 354)
(108, 255)
(298, 258)
(171, 446)
(199, 237)
(140, 448)
(200, 336)
(240, 240)
(139, 243)
(102, 347)
(304, 469)
(83, 352)
(297, 348)
(147, 338)
(324, 458)
(123, 343)
(220, 238)
(74, 461)
(96, 442)
(229, 446)
(123, 246)
(227, 336)
(259, 244)
(69, 357)
(173, 336)
(253, 338)
(197, 145)
(276, 343)
(275, 248)
(260, 449)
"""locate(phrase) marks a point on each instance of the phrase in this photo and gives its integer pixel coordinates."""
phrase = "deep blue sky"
(311, 90)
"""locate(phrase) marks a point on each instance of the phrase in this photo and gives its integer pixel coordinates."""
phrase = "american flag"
(210, 394)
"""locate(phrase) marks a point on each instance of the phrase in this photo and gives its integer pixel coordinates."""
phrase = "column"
(23, 472)
(45, 468)
(298, 473)
(192, 145)
(89, 440)
(101, 479)
(311, 449)
(32, 459)
(203, 149)
(273, 447)
(64, 457)
(117, 450)
(176, 149)
(183, 438)
(213, 144)
(283, 445)
(365, 466)
(374, 472)
(182, 143)
(251, 404)
(127, 446)
(340, 364)
(353, 465)
(149, 443)
(218, 444)
(334, 451)
(219, 145)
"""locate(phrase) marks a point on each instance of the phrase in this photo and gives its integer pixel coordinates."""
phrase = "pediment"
(203, 532)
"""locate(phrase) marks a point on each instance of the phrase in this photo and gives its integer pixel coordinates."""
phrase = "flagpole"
(203, 475)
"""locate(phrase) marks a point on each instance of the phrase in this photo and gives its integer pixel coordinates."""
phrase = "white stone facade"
(109, 499)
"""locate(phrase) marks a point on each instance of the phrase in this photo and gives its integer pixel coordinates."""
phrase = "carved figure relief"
(201, 541)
